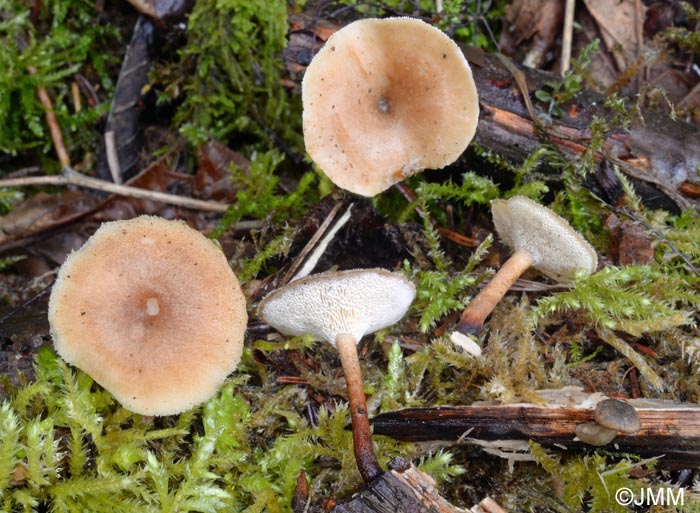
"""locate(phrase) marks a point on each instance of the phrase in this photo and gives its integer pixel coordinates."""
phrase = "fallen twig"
(567, 36)
(54, 127)
(670, 430)
(71, 177)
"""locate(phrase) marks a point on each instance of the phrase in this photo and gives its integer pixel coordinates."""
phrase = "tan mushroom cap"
(356, 302)
(556, 248)
(617, 415)
(151, 310)
(385, 99)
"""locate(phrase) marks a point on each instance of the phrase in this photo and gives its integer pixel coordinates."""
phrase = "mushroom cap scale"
(384, 99)
(151, 310)
(356, 302)
(556, 248)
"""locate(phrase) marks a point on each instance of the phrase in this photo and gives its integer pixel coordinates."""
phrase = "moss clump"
(234, 51)
(64, 39)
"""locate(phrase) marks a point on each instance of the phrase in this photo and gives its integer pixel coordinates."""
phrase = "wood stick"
(404, 488)
(72, 177)
(567, 36)
(54, 127)
(670, 431)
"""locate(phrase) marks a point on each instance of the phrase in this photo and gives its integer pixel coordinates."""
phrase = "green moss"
(66, 39)
(687, 40)
(588, 483)
(234, 49)
(258, 195)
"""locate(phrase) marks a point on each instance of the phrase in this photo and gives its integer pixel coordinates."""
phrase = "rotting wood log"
(660, 155)
(670, 430)
(405, 488)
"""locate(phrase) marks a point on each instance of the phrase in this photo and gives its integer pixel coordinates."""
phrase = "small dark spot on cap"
(332, 48)
(83, 313)
(444, 56)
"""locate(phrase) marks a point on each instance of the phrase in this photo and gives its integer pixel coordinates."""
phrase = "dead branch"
(405, 488)
(670, 431)
(54, 127)
(71, 177)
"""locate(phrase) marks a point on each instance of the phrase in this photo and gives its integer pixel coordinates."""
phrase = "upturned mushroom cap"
(617, 415)
(385, 99)
(556, 248)
(356, 302)
(151, 310)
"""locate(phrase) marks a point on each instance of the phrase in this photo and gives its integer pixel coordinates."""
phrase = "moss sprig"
(439, 291)
(66, 38)
(588, 482)
(258, 196)
(636, 299)
(234, 48)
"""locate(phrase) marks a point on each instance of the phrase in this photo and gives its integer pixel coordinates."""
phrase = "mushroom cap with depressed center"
(385, 99)
(556, 248)
(151, 310)
(356, 303)
(617, 415)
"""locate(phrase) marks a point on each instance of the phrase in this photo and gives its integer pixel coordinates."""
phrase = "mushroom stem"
(361, 433)
(482, 305)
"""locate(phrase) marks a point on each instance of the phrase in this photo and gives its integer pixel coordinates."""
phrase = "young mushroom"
(385, 99)
(611, 417)
(617, 415)
(151, 310)
(593, 433)
(340, 308)
(541, 239)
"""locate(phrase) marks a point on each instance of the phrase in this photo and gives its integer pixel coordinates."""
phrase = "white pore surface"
(356, 302)
(557, 249)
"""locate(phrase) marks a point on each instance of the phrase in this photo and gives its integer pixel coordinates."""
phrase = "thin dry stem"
(361, 432)
(72, 177)
(567, 36)
(54, 127)
(482, 305)
(637, 360)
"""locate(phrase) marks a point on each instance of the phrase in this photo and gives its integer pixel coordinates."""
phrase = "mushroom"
(617, 415)
(151, 310)
(385, 99)
(540, 239)
(593, 433)
(611, 416)
(340, 308)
